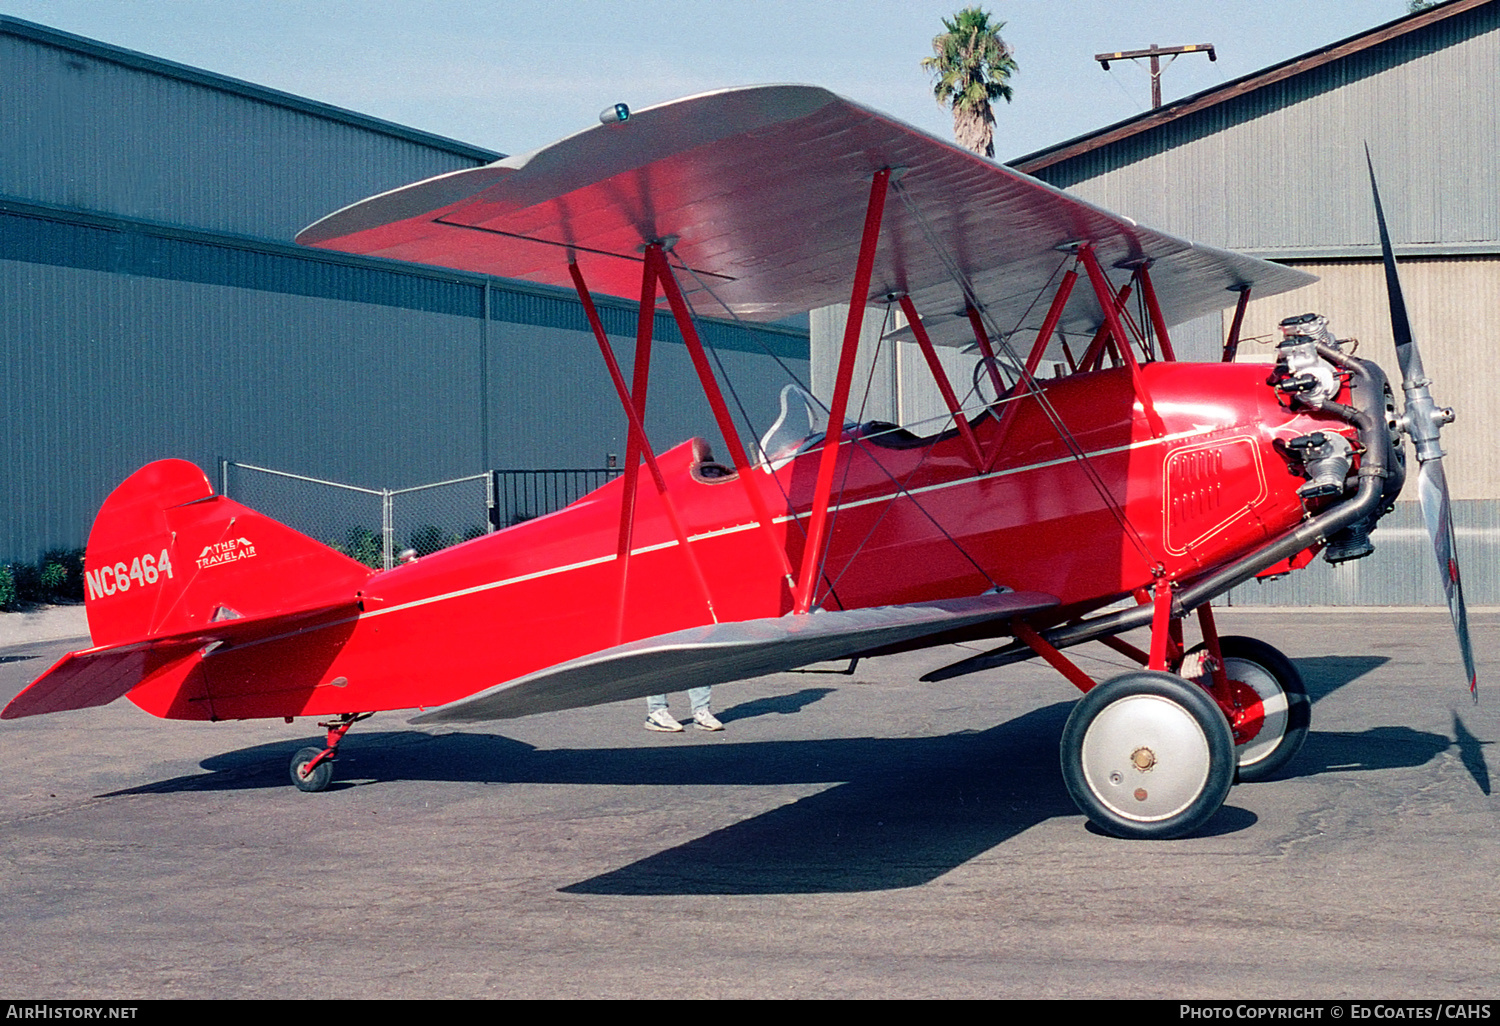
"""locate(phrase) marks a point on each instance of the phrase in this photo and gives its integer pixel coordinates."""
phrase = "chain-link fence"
(375, 525)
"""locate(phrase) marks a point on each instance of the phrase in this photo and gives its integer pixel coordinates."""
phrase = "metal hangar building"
(1273, 164)
(156, 306)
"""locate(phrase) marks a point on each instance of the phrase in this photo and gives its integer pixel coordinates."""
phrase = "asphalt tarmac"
(863, 835)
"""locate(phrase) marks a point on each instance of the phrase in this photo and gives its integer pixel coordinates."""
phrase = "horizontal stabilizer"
(82, 680)
(98, 676)
(717, 653)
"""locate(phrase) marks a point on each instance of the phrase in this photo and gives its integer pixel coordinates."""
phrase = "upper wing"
(716, 653)
(763, 189)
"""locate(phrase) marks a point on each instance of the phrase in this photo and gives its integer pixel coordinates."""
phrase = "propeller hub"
(1423, 421)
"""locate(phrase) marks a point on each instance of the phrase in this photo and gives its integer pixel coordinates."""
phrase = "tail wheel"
(1272, 711)
(1148, 755)
(315, 779)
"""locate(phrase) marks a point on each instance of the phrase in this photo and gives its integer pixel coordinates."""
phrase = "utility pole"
(1156, 53)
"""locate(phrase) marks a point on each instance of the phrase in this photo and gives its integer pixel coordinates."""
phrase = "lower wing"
(722, 652)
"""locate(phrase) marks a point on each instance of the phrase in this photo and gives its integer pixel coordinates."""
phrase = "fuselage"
(1088, 513)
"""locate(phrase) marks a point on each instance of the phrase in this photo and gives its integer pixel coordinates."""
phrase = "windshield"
(799, 426)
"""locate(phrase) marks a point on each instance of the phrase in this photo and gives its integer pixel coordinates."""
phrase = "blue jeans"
(697, 698)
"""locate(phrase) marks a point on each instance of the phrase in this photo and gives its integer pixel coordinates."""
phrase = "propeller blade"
(1423, 420)
(1407, 356)
(1432, 489)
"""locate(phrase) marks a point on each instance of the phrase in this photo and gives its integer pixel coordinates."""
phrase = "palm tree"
(971, 68)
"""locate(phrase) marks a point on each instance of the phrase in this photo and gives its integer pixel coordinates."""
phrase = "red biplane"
(1129, 490)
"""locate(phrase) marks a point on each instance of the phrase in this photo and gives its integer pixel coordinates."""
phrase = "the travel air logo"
(231, 551)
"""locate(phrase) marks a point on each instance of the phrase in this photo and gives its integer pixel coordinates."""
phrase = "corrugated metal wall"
(81, 130)
(154, 306)
(102, 372)
(1401, 572)
(1282, 169)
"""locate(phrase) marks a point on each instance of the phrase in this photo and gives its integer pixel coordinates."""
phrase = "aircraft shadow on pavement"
(1378, 748)
(902, 813)
(780, 705)
(1324, 675)
(897, 812)
(1471, 752)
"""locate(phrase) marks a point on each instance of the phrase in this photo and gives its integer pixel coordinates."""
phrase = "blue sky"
(513, 76)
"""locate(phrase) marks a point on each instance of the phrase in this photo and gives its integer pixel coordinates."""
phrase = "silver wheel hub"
(1146, 758)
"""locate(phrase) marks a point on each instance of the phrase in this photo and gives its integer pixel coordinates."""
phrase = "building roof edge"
(1031, 163)
(172, 69)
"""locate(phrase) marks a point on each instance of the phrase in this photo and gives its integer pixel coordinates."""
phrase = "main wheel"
(1148, 754)
(315, 780)
(1272, 710)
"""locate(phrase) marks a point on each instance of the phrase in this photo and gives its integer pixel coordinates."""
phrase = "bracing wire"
(797, 380)
(1026, 385)
(903, 489)
(1146, 327)
(729, 382)
(904, 486)
(1028, 382)
(859, 418)
(713, 351)
(901, 486)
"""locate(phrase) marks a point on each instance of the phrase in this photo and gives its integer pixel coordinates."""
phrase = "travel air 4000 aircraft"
(1044, 509)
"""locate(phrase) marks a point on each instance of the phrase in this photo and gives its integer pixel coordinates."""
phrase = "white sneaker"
(663, 721)
(706, 720)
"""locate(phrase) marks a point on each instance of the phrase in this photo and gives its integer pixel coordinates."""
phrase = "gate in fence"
(373, 525)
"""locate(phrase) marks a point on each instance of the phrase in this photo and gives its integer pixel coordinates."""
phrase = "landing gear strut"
(1154, 753)
(312, 768)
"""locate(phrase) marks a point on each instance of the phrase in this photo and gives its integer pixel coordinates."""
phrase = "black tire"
(320, 776)
(1148, 755)
(1286, 712)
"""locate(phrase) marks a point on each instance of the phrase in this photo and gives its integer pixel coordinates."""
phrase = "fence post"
(492, 499)
(224, 478)
(387, 529)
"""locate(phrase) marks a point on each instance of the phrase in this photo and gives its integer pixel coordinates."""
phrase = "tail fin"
(167, 555)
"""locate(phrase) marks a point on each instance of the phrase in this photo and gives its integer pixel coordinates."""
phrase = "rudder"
(167, 555)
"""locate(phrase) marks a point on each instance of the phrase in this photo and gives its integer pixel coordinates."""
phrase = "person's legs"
(657, 717)
(702, 715)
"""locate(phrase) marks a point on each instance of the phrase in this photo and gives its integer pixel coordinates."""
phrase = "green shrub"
(7, 588)
(61, 576)
(362, 544)
(27, 579)
(54, 578)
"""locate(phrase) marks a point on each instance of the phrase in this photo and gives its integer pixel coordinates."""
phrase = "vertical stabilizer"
(167, 555)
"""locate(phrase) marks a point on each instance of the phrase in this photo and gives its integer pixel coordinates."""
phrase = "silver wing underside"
(718, 653)
(762, 192)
